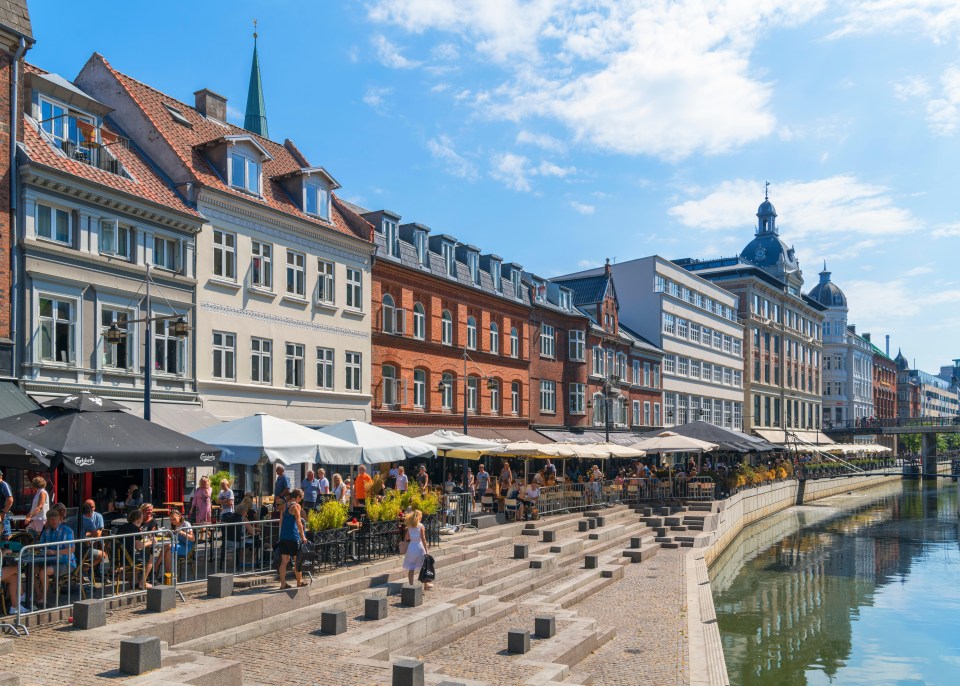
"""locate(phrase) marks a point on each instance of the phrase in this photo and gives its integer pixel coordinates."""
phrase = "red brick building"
(450, 330)
(16, 37)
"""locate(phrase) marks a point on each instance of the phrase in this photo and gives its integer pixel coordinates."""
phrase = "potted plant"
(326, 524)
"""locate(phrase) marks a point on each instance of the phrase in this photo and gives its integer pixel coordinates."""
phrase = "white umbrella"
(529, 448)
(378, 444)
(245, 441)
(458, 445)
(616, 450)
(671, 442)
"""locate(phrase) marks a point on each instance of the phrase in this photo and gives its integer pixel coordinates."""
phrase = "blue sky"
(557, 133)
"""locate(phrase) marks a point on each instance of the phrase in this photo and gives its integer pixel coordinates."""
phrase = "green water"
(857, 589)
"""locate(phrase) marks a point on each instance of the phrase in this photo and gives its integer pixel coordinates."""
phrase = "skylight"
(178, 116)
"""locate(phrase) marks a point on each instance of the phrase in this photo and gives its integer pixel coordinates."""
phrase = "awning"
(624, 438)
(183, 418)
(794, 436)
(501, 435)
(13, 400)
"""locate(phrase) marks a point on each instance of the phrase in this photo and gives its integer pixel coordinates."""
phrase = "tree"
(910, 443)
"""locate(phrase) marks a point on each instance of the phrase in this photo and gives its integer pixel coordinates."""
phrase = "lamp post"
(115, 335)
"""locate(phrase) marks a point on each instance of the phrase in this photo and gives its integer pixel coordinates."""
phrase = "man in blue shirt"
(6, 502)
(310, 487)
(91, 526)
(55, 559)
(281, 488)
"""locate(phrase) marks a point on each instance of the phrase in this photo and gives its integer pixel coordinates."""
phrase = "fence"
(457, 510)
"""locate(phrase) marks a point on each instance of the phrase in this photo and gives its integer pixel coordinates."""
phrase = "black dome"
(828, 293)
(766, 250)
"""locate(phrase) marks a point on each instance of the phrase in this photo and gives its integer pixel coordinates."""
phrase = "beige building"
(282, 266)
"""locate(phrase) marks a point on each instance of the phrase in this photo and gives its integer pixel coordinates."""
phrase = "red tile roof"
(184, 142)
(146, 182)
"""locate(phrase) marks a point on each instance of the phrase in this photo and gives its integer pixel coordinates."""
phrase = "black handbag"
(427, 572)
(306, 558)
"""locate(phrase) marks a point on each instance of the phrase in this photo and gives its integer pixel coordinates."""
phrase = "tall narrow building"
(255, 119)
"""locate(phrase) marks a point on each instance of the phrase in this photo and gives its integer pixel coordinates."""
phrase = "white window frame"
(224, 255)
(548, 341)
(599, 361)
(471, 333)
(296, 273)
(576, 344)
(548, 396)
(108, 349)
(636, 413)
(447, 382)
(261, 360)
(170, 250)
(473, 394)
(316, 191)
(446, 328)
(419, 388)
(119, 235)
(516, 398)
(419, 322)
(494, 338)
(514, 342)
(494, 387)
(390, 395)
(646, 413)
(646, 374)
(224, 348)
(353, 368)
(577, 393)
(326, 283)
(54, 211)
(293, 370)
(167, 337)
(325, 380)
(449, 259)
(252, 171)
(391, 236)
(354, 289)
(261, 265)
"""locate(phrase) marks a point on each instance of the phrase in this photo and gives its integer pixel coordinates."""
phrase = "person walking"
(36, 519)
(482, 479)
(311, 489)
(416, 538)
(201, 505)
(291, 536)
(281, 488)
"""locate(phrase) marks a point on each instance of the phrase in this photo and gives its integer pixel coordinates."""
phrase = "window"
(389, 376)
(388, 315)
(646, 373)
(496, 276)
(494, 338)
(717, 340)
(354, 289)
(115, 239)
(473, 390)
(391, 235)
(419, 322)
(261, 265)
(669, 325)
(683, 366)
(296, 274)
(165, 253)
(325, 283)
(599, 360)
(669, 364)
(548, 396)
(577, 398)
(316, 200)
(244, 172)
(547, 341)
(718, 373)
(575, 341)
(682, 328)
(224, 255)
(54, 224)
(656, 415)
(737, 347)
(636, 372)
(694, 332)
(659, 284)
(473, 263)
(646, 413)
(224, 355)
(566, 300)
(636, 413)
(446, 328)
(116, 355)
(727, 376)
(668, 407)
(599, 409)
(420, 243)
(353, 370)
(514, 343)
(471, 333)
(727, 344)
(55, 120)
(449, 259)
(446, 391)
(169, 351)
(325, 368)
(261, 360)
(515, 281)
(494, 387)
(515, 397)
(622, 367)
(695, 369)
(707, 371)
(419, 388)
(656, 376)
(294, 368)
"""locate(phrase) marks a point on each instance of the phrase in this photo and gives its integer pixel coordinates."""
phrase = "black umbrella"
(90, 434)
(18, 453)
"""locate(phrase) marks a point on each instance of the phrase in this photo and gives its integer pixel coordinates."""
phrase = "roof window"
(178, 116)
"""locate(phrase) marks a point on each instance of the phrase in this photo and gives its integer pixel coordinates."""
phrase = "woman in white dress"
(416, 536)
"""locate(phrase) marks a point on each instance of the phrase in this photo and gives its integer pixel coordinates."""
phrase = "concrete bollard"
(545, 626)
(220, 585)
(89, 614)
(600, 521)
(636, 541)
(407, 673)
(140, 654)
(161, 598)
(411, 596)
(592, 522)
(333, 622)
(518, 641)
(521, 551)
(375, 608)
(583, 525)
(591, 561)
(549, 536)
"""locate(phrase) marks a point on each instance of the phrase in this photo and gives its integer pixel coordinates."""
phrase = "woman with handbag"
(291, 536)
(414, 545)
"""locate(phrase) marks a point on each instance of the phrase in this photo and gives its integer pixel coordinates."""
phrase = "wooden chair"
(510, 507)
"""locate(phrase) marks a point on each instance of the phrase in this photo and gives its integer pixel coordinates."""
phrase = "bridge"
(926, 427)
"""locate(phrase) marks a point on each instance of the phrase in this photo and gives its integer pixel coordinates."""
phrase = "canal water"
(861, 588)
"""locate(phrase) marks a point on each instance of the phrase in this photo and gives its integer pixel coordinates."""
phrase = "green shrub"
(385, 509)
(217, 477)
(332, 515)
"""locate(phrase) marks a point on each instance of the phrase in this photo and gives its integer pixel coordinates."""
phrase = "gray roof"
(586, 289)
(14, 14)
(828, 293)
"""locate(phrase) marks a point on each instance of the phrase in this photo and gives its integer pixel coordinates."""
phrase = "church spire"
(255, 119)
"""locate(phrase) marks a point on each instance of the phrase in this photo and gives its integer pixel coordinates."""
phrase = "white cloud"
(918, 271)
(375, 97)
(823, 207)
(540, 140)
(943, 113)
(640, 77)
(441, 148)
(939, 19)
(389, 54)
(910, 88)
(582, 207)
(512, 170)
(947, 231)
(589, 264)
(551, 169)
(446, 52)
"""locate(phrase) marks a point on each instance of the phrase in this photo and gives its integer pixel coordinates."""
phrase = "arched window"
(446, 328)
(514, 343)
(388, 314)
(515, 399)
(599, 409)
(494, 338)
(473, 394)
(446, 391)
(494, 387)
(419, 322)
(389, 374)
(419, 388)
(471, 333)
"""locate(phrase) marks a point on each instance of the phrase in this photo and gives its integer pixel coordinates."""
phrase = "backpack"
(306, 558)
(427, 573)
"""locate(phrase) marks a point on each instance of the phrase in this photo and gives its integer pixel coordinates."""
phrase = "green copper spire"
(255, 119)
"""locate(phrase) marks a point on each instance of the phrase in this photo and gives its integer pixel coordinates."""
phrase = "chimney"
(888, 345)
(211, 105)
(606, 267)
(866, 337)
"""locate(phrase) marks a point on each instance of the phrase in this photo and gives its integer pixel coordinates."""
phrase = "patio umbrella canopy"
(245, 441)
(377, 444)
(616, 450)
(460, 446)
(529, 449)
(672, 442)
(728, 440)
(90, 434)
(20, 453)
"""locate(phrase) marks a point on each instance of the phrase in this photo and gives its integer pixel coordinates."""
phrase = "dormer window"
(565, 300)
(420, 243)
(244, 171)
(515, 280)
(473, 262)
(391, 235)
(541, 291)
(495, 274)
(316, 199)
(61, 124)
(449, 259)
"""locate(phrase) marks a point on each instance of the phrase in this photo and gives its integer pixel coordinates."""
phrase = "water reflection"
(855, 589)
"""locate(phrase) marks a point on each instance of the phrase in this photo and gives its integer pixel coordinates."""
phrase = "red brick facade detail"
(884, 387)
(560, 368)
(6, 239)
(405, 353)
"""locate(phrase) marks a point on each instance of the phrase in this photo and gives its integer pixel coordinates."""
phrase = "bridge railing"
(868, 423)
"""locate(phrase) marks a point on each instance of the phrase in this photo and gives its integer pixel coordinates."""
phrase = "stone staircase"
(680, 526)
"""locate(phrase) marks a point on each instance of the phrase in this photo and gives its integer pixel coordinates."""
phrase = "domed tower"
(830, 296)
(768, 251)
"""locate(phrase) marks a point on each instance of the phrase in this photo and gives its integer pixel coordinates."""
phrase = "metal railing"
(889, 423)
(699, 488)
(457, 510)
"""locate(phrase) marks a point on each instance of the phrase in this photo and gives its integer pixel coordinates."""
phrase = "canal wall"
(707, 664)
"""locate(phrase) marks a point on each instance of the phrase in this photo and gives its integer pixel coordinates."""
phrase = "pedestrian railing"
(457, 510)
(699, 488)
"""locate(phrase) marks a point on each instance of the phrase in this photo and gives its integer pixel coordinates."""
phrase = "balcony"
(97, 157)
